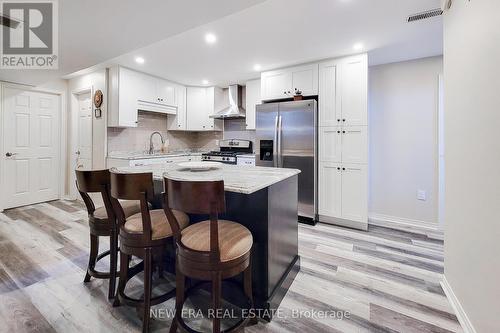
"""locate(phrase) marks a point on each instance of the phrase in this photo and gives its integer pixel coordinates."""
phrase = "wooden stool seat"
(160, 226)
(235, 240)
(145, 235)
(98, 181)
(211, 250)
(130, 207)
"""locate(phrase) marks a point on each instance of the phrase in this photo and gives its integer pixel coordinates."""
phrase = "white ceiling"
(169, 35)
(279, 33)
(94, 31)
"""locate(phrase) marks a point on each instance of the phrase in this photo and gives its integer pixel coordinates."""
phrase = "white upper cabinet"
(179, 121)
(354, 90)
(123, 98)
(343, 91)
(282, 83)
(131, 91)
(305, 79)
(329, 97)
(201, 103)
(196, 108)
(252, 100)
(166, 93)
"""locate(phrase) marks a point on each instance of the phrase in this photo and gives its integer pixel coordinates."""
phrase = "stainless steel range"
(229, 151)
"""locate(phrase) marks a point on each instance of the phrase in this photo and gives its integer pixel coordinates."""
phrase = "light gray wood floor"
(383, 280)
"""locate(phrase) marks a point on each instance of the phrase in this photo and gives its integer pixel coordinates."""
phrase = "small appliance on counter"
(230, 151)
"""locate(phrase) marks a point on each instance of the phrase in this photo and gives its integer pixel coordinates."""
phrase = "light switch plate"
(421, 195)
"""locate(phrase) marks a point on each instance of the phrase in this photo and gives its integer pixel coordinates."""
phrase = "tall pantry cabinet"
(343, 142)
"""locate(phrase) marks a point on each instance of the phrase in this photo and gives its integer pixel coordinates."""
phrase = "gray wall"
(403, 117)
(472, 159)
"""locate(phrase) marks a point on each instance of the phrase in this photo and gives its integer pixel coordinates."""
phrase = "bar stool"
(98, 181)
(211, 250)
(144, 235)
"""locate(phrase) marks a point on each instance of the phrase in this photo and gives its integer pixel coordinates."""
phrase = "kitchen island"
(265, 200)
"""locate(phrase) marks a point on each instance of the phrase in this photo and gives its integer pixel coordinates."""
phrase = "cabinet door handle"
(343, 132)
(343, 169)
(338, 132)
(343, 120)
(338, 168)
(338, 120)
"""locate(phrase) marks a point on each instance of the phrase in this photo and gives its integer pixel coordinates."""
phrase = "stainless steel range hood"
(235, 110)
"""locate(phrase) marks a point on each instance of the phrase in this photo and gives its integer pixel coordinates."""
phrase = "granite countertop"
(240, 179)
(139, 155)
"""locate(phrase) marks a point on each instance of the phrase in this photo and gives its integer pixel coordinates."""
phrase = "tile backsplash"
(236, 129)
(137, 139)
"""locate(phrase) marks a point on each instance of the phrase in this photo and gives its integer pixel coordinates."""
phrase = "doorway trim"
(73, 114)
(63, 135)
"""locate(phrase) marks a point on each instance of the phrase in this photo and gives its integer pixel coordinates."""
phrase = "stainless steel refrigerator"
(286, 138)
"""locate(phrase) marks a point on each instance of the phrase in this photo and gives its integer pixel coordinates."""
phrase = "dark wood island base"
(271, 214)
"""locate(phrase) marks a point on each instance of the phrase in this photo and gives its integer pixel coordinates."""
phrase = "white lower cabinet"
(343, 192)
(354, 192)
(330, 189)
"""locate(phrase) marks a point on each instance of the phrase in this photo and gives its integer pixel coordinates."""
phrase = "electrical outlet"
(421, 195)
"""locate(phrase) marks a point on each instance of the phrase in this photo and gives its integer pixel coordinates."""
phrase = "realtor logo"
(29, 34)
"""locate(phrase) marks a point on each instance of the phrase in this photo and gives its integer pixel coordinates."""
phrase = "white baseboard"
(403, 223)
(457, 307)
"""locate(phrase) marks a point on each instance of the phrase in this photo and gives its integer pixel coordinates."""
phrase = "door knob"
(10, 154)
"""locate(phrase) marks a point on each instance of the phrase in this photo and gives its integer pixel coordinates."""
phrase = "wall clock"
(98, 97)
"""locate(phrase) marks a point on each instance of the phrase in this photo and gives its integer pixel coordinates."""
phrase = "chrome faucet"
(151, 146)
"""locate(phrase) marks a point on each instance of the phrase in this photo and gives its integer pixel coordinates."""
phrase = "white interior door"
(84, 147)
(31, 147)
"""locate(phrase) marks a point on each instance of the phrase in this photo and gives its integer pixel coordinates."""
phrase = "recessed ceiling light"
(257, 67)
(139, 60)
(210, 38)
(358, 47)
(204, 81)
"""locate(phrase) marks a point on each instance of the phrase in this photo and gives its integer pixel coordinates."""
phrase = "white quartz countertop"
(137, 155)
(240, 179)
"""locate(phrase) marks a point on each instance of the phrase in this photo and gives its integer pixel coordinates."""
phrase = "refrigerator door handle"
(275, 145)
(280, 157)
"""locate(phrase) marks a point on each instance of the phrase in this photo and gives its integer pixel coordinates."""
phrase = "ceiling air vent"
(425, 15)
(8, 21)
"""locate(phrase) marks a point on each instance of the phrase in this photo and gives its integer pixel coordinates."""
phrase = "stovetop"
(220, 153)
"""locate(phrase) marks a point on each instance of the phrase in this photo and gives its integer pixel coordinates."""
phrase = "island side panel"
(251, 210)
(282, 233)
